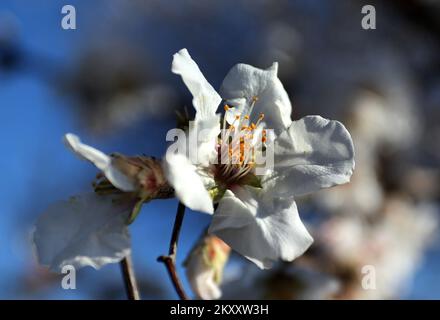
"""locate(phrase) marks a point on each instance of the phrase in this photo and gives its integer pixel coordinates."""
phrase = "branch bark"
(170, 259)
(129, 278)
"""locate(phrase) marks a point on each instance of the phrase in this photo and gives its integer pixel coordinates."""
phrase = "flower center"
(237, 146)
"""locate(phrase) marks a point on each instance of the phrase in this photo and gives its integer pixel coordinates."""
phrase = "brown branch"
(170, 259)
(129, 278)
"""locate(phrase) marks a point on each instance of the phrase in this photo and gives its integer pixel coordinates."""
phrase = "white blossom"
(257, 215)
(89, 229)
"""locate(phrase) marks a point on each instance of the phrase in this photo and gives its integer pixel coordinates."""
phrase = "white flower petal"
(99, 159)
(260, 227)
(187, 183)
(102, 161)
(205, 99)
(86, 230)
(313, 153)
(206, 132)
(244, 82)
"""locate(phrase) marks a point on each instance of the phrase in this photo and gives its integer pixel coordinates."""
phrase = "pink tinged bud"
(146, 173)
(205, 265)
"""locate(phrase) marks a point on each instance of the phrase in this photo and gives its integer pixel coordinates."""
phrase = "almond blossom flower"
(256, 214)
(92, 229)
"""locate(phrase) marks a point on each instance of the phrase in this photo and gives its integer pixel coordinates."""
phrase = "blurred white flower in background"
(400, 239)
(286, 281)
(392, 243)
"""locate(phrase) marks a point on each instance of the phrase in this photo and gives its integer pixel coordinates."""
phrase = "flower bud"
(144, 172)
(204, 266)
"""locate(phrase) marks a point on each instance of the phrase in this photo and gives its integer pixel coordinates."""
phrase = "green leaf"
(136, 209)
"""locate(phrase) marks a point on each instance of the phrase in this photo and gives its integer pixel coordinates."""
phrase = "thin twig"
(129, 278)
(170, 259)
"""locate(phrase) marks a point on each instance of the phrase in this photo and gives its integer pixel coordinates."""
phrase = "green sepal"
(136, 210)
(216, 193)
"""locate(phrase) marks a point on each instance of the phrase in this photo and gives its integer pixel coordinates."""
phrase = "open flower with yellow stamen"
(256, 214)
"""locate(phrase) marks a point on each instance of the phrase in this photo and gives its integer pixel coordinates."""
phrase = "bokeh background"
(109, 81)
